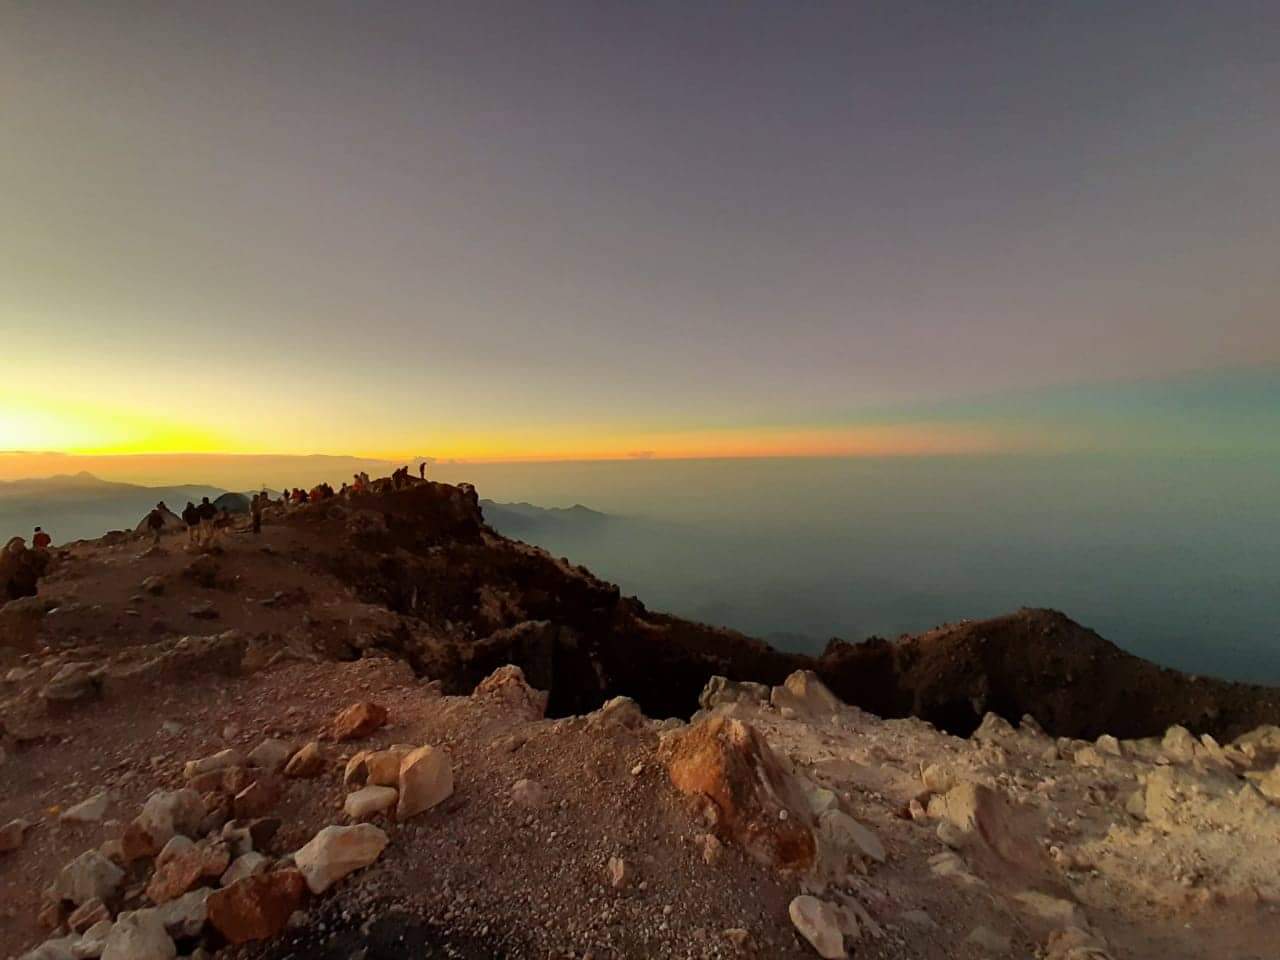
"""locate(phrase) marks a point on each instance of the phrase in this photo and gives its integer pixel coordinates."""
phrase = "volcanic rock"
(358, 720)
(257, 907)
(819, 923)
(335, 852)
(754, 801)
(426, 779)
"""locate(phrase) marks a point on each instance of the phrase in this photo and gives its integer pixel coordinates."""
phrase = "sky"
(504, 231)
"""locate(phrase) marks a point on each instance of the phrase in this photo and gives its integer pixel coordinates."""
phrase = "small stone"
(359, 720)
(618, 872)
(426, 779)
(369, 801)
(819, 923)
(529, 793)
(335, 852)
(307, 762)
(710, 847)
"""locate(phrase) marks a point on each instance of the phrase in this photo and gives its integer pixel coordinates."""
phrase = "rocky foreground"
(313, 744)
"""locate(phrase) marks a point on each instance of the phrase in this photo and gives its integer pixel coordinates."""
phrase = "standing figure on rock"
(255, 509)
(155, 522)
(422, 470)
(208, 513)
(191, 517)
(41, 540)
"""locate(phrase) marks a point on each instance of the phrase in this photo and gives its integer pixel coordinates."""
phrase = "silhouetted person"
(155, 522)
(208, 513)
(41, 540)
(255, 509)
(191, 517)
(422, 470)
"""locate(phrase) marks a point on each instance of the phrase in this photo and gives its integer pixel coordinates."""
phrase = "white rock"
(618, 872)
(221, 760)
(1110, 745)
(185, 916)
(169, 812)
(139, 936)
(271, 754)
(426, 779)
(335, 852)
(819, 923)
(369, 801)
(808, 696)
(88, 811)
(528, 793)
(246, 865)
(838, 828)
(87, 876)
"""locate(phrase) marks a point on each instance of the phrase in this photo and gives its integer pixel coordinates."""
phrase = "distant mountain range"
(81, 506)
(524, 521)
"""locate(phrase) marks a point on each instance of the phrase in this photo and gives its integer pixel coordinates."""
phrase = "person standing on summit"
(41, 540)
(208, 513)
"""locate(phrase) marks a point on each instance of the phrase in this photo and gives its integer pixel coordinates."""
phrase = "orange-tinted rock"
(257, 907)
(508, 686)
(87, 914)
(137, 843)
(183, 865)
(307, 762)
(359, 720)
(753, 800)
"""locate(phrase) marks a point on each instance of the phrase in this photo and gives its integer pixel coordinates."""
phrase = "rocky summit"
(379, 729)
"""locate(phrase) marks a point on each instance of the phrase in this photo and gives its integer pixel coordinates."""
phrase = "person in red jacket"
(41, 540)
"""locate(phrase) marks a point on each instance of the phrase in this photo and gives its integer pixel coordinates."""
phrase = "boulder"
(246, 865)
(270, 755)
(721, 691)
(12, 835)
(808, 696)
(380, 768)
(335, 852)
(358, 720)
(183, 864)
(185, 916)
(819, 923)
(842, 837)
(309, 761)
(243, 836)
(88, 876)
(139, 935)
(257, 907)
(87, 811)
(980, 818)
(165, 814)
(91, 912)
(369, 801)
(744, 790)
(1178, 745)
(426, 779)
(508, 686)
(618, 712)
(72, 683)
(219, 761)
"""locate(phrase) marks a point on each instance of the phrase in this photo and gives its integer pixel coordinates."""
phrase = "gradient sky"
(609, 229)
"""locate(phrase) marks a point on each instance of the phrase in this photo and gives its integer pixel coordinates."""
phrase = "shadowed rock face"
(468, 600)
